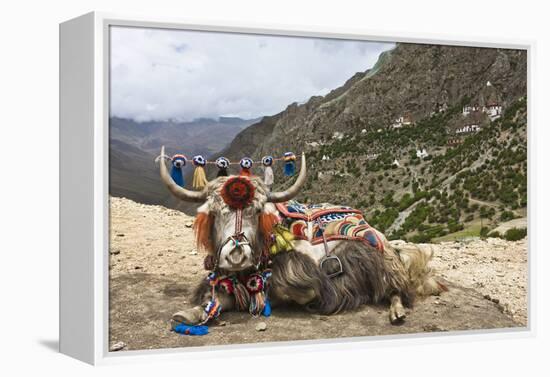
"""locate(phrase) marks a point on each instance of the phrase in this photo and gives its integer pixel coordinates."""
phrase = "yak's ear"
(202, 227)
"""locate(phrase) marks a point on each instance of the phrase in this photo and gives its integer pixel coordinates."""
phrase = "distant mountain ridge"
(135, 145)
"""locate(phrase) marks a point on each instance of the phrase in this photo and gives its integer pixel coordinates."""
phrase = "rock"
(189, 224)
(261, 326)
(117, 346)
(114, 252)
(193, 252)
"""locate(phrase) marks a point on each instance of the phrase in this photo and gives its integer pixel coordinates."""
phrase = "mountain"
(431, 141)
(135, 145)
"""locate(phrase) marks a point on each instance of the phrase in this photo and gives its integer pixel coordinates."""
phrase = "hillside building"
(469, 109)
(421, 153)
(454, 141)
(468, 129)
(405, 120)
(493, 111)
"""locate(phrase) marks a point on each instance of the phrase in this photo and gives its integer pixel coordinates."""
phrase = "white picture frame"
(84, 221)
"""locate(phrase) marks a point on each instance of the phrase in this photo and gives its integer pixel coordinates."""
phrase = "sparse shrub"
(507, 215)
(421, 238)
(484, 231)
(515, 234)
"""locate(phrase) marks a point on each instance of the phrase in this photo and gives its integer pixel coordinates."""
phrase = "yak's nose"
(236, 256)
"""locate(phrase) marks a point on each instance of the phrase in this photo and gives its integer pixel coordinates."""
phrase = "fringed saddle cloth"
(308, 222)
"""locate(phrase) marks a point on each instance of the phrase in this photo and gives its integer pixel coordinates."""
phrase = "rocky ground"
(154, 266)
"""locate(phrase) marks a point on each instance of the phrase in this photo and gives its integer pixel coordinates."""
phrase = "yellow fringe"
(284, 240)
(199, 178)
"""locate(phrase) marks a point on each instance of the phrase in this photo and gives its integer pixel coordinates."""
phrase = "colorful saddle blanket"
(309, 222)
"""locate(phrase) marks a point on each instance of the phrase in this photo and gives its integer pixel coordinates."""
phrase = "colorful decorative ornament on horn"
(178, 162)
(246, 165)
(290, 164)
(267, 161)
(199, 176)
(222, 164)
(238, 192)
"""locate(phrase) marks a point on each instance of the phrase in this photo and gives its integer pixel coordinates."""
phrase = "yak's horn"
(292, 191)
(177, 191)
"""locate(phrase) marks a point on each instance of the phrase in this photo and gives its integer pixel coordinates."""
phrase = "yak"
(235, 226)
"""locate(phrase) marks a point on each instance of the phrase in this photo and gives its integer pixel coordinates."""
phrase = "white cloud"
(167, 74)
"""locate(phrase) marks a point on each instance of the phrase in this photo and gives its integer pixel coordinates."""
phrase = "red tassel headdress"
(238, 192)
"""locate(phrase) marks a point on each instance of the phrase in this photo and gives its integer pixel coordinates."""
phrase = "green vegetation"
(515, 234)
(458, 191)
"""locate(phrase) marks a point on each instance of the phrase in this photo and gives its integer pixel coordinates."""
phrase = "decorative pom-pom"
(267, 161)
(222, 164)
(246, 164)
(290, 164)
(199, 176)
(178, 162)
(237, 192)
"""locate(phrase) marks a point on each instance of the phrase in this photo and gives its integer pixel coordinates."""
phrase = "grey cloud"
(167, 74)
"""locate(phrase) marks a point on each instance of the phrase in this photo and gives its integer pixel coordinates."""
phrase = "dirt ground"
(154, 267)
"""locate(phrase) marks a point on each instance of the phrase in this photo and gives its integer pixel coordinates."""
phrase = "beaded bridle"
(250, 290)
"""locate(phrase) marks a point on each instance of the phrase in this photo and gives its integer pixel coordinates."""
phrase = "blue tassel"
(178, 162)
(290, 168)
(177, 176)
(184, 329)
(267, 309)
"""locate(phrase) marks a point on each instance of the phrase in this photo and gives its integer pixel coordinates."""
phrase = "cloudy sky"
(159, 74)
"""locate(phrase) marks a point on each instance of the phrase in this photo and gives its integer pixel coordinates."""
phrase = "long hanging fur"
(203, 229)
(266, 223)
(296, 278)
(369, 277)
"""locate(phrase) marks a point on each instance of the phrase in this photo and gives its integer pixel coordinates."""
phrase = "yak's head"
(236, 218)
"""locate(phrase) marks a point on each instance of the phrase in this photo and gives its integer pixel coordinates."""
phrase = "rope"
(254, 162)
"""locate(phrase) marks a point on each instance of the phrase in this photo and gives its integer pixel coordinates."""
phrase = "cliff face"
(410, 79)
(352, 136)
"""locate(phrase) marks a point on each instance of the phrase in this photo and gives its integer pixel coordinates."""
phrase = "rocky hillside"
(399, 142)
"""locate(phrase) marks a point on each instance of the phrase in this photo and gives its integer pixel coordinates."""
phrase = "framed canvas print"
(226, 188)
